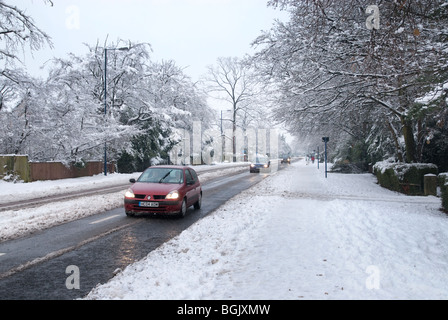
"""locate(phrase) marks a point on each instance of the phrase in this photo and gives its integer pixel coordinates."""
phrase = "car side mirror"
(132, 180)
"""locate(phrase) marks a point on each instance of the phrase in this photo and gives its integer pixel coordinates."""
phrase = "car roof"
(170, 167)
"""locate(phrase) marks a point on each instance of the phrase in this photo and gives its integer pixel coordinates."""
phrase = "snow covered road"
(297, 235)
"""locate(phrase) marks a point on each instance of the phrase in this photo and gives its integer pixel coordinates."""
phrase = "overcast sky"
(194, 33)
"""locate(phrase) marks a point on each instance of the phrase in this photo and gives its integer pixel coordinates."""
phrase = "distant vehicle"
(286, 160)
(166, 190)
(261, 163)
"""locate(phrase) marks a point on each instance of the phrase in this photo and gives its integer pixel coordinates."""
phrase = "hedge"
(14, 167)
(406, 178)
(443, 183)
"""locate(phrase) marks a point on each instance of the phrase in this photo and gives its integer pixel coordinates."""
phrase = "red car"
(165, 190)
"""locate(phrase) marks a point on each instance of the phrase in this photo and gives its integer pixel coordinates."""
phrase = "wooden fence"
(56, 170)
(18, 167)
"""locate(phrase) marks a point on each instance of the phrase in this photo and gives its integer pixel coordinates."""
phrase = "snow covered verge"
(17, 223)
(297, 235)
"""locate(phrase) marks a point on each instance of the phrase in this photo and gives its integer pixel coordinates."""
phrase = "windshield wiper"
(166, 175)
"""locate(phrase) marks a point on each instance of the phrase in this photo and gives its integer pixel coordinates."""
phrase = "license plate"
(149, 204)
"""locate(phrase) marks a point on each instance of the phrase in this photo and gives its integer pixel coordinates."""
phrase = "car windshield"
(162, 175)
(261, 159)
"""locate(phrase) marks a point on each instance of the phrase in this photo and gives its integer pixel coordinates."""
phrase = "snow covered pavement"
(297, 235)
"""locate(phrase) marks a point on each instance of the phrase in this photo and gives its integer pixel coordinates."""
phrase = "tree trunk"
(420, 141)
(234, 130)
(409, 141)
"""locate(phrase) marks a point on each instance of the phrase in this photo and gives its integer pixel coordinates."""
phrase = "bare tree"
(232, 80)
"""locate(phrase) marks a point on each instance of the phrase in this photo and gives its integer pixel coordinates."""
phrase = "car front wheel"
(183, 209)
(198, 204)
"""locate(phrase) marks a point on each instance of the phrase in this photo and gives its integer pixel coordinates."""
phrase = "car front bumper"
(165, 207)
(258, 169)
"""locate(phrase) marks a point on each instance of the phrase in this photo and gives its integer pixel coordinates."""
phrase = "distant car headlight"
(252, 165)
(265, 166)
(129, 194)
(173, 195)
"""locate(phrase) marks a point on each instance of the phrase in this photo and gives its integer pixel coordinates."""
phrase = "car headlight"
(173, 195)
(129, 194)
(265, 165)
(252, 165)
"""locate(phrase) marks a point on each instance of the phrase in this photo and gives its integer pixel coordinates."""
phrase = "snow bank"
(39, 189)
(297, 235)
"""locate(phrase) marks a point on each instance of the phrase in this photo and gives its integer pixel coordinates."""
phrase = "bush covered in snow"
(403, 177)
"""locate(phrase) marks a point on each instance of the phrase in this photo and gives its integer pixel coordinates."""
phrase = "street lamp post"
(105, 97)
(318, 157)
(325, 140)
